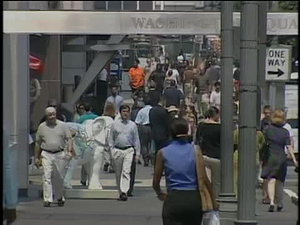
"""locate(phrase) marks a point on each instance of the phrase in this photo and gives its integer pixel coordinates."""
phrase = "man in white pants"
(123, 141)
(51, 139)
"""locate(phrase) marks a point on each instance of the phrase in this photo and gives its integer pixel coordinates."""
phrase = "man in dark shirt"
(173, 96)
(158, 76)
(153, 94)
(158, 117)
(266, 121)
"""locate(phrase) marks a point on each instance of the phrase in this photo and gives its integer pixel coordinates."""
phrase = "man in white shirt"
(215, 97)
(53, 148)
(123, 144)
(115, 99)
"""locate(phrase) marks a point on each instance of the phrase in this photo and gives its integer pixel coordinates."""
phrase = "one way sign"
(277, 64)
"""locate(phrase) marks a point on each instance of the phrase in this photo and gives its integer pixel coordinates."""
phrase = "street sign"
(278, 64)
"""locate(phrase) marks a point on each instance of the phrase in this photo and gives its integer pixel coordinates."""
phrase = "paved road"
(142, 209)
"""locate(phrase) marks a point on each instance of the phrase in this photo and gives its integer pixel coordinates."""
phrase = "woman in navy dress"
(275, 167)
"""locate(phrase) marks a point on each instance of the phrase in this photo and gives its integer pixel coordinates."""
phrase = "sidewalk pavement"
(142, 209)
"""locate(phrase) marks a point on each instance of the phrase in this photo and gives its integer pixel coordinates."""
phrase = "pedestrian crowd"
(165, 130)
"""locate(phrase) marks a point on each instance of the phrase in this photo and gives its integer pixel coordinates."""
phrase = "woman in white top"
(175, 73)
(215, 97)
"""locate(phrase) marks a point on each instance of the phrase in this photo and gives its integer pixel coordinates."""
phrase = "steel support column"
(226, 101)
(17, 102)
(248, 112)
(98, 47)
(97, 65)
(262, 37)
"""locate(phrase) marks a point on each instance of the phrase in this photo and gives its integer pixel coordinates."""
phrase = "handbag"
(206, 194)
(264, 152)
(211, 218)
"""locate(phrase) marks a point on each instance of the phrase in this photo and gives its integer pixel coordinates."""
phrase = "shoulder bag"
(205, 190)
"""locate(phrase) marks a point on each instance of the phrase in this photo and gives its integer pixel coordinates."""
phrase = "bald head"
(51, 115)
(50, 110)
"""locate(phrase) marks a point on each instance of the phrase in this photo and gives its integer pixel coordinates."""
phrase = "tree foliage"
(288, 5)
(237, 6)
(283, 5)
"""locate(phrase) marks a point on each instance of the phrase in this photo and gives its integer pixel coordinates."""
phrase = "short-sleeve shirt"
(202, 83)
(116, 101)
(175, 75)
(137, 77)
(173, 97)
(189, 75)
(87, 116)
(102, 75)
(215, 99)
(278, 138)
(53, 137)
(142, 117)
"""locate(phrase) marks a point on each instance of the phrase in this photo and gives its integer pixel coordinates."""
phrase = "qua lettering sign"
(286, 24)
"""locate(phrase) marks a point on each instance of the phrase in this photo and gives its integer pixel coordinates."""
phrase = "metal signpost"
(277, 72)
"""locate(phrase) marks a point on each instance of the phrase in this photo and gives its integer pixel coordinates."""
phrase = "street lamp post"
(248, 113)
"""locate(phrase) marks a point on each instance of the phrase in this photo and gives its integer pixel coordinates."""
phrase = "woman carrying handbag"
(189, 193)
(274, 168)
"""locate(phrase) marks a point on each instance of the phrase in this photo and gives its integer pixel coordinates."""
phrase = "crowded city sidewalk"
(142, 209)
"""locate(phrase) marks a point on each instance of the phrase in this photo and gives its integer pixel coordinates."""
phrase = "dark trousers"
(182, 208)
(101, 96)
(132, 174)
(145, 139)
(159, 144)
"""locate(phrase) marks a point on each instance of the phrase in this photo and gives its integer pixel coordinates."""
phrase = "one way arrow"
(279, 72)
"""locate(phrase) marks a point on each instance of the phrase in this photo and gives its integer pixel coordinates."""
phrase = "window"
(146, 5)
(114, 5)
(101, 5)
(130, 5)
